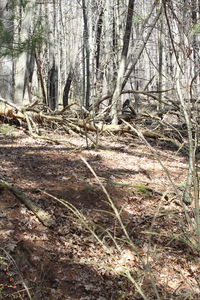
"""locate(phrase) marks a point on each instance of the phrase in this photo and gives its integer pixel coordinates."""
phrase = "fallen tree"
(37, 115)
(32, 115)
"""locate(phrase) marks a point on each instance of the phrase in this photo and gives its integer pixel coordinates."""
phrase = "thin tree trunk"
(98, 40)
(52, 86)
(87, 54)
(41, 79)
(53, 63)
(138, 49)
(122, 65)
(67, 88)
(160, 63)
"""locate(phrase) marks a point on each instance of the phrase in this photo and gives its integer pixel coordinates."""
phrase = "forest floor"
(67, 261)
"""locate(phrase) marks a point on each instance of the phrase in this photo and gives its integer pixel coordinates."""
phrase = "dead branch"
(82, 127)
(43, 216)
(145, 93)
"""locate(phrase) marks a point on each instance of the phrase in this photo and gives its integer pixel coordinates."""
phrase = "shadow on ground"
(65, 261)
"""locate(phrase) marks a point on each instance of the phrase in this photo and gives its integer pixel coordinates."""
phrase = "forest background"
(108, 70)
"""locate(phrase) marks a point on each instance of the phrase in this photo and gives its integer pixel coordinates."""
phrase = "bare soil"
(66, 261)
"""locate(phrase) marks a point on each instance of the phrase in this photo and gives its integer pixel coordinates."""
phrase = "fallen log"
(34, 117)
(94, 126)
(10, 110)
(43, 216)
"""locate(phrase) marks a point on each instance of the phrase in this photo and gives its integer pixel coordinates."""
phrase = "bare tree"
(123, 60)
(86, 55)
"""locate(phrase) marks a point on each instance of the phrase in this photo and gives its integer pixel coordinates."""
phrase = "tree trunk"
(22, 68)
(98, 41)
(67, 88)
(86, 54)
(52, 86)
(6, 62)
(122, 64)
(160, 58)
(52, 79)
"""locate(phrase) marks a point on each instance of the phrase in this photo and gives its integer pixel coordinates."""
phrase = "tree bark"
(122, 64)
(67, 88)
(52, 86)
(6, 62)
(86, 54)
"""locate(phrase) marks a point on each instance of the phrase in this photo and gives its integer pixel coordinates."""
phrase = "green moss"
(3, 184)
(6, 129)
(89, 187)
(182, 186)
(143, 189)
